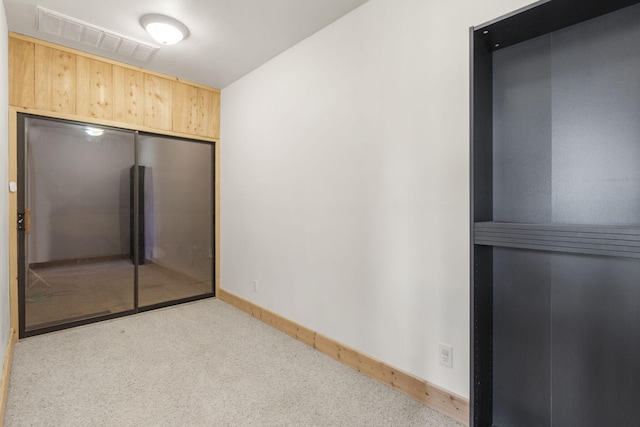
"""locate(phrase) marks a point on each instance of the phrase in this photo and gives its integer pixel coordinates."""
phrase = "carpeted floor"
(198, 364)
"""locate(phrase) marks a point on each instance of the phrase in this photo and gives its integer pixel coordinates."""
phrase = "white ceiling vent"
(51, 22)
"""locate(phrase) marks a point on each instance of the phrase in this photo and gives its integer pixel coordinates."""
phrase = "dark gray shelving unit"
(555, 216)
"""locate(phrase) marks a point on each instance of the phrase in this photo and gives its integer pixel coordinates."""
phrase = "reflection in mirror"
(82, 233)
(77, 253)
(176, 210)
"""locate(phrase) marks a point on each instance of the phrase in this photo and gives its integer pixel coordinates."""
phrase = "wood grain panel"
(326, 346)
(13, 218)
(216, 190)
(375, 369)
(349, 356)
(185, 108)
(47, 78)
(448, 403)
(6, 372)
(208, 113)
(94, 88)
(55, 80)
(128, 95)
(21, 73)
(158, 102)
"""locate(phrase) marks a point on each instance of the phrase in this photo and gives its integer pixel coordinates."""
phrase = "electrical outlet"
(446, 355)
(255, 286)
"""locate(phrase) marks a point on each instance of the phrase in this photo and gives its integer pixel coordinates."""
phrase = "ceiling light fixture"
(94, 131)
(163, 29)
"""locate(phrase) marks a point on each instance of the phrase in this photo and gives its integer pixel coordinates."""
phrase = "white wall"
(345, 182)
(5, 323)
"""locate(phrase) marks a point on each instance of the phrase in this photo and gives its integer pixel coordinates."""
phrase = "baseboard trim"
(450, 404)
(6, 374)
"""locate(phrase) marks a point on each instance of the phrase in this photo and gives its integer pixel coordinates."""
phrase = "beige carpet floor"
(198, 364)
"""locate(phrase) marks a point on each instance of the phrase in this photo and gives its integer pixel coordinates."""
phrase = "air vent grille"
(51, 22)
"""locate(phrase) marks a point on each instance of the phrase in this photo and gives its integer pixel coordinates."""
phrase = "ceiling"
(228, 38)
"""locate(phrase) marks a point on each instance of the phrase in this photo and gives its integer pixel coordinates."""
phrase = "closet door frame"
(17, 239)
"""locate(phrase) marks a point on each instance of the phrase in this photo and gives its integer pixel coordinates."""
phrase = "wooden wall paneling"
(216, 189)
(83, 86)
(52, 80)
(185, 108)
(208, 113)
(306, 335)
(128, 95)
(158, 102)
(6, 372)
(21, 73)
(94, 88)
(55, 80)
(375, 369)
(13, 219)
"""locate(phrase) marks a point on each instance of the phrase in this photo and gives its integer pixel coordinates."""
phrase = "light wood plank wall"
(6, 373)
(49, 78)
(128, 99)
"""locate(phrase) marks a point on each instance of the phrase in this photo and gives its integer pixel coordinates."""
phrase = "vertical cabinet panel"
(521, 337)
(128, 95)
(596, 307)
(522, 137)
(55, 80)
(158, 102)
(208, 113)
(94, 88)
(21, 73)
(185, 108)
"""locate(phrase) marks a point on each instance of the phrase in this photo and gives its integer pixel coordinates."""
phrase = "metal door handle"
(24, 221)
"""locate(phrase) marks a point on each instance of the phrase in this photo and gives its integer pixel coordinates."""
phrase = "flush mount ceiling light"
(163, 29)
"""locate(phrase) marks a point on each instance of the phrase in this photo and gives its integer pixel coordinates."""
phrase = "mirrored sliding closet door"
(111, 222)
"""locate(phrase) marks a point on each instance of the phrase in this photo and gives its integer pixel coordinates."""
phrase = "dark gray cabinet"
(555, 216)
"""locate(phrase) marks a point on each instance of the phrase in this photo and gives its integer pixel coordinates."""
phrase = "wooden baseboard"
(6, 374)
(452, 405)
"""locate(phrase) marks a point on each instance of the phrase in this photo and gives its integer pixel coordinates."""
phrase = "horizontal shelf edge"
(619, 241)
(564, 228)
(588, 251)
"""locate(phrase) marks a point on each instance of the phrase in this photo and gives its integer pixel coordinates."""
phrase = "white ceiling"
(228, 38)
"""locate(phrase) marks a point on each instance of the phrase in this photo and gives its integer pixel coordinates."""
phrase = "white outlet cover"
(445, 355)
